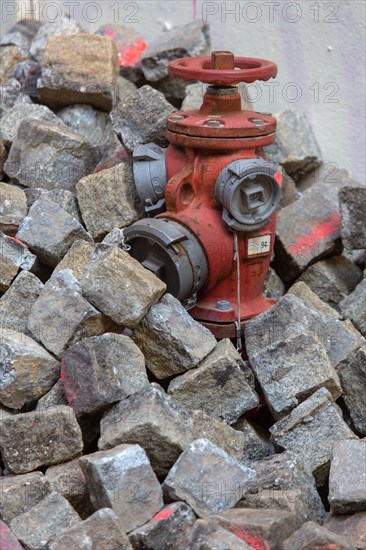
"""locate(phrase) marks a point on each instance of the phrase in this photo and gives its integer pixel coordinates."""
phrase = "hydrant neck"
(219, 100)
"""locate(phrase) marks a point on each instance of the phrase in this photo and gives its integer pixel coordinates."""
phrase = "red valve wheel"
(222, 68)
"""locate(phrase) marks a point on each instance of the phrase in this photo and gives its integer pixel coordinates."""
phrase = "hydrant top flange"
(228, 125)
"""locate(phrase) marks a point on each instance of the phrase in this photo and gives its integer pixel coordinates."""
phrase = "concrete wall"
(319, 47)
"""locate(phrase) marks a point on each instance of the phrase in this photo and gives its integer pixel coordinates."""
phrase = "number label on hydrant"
(259, 245)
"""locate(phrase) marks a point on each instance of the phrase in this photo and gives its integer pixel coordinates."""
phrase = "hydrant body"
(214, 195)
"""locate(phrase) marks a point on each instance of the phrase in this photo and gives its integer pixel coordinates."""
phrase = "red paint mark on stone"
(331, 547)
(17, 241)
(132, 55)
(163, 514)
(129, 55)
(62, 370)
(194, 10)
(310, 240)
(118, 156)
(256, 542)
(7, 539)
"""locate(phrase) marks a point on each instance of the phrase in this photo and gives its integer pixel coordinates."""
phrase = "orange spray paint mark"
(130, 55)
(310, 240)
(163, 514)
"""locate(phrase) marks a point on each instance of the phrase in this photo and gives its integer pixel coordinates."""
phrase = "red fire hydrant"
(214, 195)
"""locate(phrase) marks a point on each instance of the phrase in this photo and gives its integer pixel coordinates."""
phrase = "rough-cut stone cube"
(28, 370)
(171, 340)
(39, 438)
(266, 528)
(218, 386)
(68, 480)
(352, 527)
(290, 318)
(353, 379)
(49, 156)
(208, 534)
(64, 198)
(233, 442)
(49, 231)
(13, 208)
(13, 118)
(19, 493)
(291, 370)
(295, 148)
(99, 371)
(341, 339)
(119, 286)
(36, 527)
(16, 303)
(347, 477)
(81, 68)
(353, 307)
(284, 482)
(94, 125)
(312, 536)
(151, 419)
(352, 205)
(61, 315)
(122, 479)
(332, 279)
(141, 118)
(108, 199)
(310, 431)
(309, 228)
(168, 529)
(77, 259)
(13, 256)
(311, 300)
(100, 531)
(206, 478)
(61, 26)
